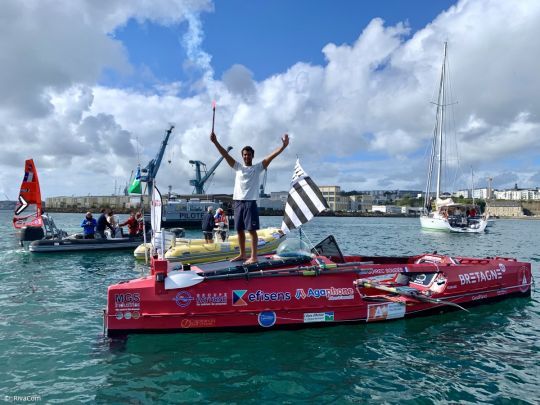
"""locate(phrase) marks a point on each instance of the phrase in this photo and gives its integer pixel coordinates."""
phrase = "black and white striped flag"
(304, 201)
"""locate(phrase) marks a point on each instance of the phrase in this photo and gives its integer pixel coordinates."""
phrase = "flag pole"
(213, 114)
(144, 226)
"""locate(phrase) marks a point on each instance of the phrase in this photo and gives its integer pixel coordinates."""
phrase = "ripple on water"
(51, 342)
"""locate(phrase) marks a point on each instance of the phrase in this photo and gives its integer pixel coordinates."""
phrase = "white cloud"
(239, 80)
(361, 120)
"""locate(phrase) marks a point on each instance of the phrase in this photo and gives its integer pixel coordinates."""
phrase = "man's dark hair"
(249, 149)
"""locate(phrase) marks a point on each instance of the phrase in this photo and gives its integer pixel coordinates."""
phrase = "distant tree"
(405, 201)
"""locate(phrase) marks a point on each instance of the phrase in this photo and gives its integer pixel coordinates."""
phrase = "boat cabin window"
(424, 279)
(328, 247)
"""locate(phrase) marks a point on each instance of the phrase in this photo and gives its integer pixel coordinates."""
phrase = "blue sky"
(265, 36)
(90, 87)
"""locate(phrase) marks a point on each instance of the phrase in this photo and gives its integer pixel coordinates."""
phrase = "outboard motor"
(178, 232)
(31, 233)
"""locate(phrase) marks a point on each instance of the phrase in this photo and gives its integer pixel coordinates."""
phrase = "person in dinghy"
(246, 192)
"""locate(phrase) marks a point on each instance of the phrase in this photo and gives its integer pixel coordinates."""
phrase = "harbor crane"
(199, 181)
(149, 173)
(262, 194)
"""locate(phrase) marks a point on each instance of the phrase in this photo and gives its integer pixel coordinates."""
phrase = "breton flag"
(304, 201)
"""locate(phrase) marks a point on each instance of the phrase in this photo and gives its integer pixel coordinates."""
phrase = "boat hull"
(441, 224)
(317, 293)
(77, 245)
(196, 251)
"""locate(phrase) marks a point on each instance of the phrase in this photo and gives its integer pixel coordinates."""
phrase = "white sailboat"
(446, 215)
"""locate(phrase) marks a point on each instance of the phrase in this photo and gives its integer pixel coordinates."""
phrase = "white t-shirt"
(246, 183)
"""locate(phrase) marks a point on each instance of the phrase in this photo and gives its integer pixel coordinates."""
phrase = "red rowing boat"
(299, 290)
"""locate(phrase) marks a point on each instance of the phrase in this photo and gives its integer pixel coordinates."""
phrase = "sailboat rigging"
(447, 215)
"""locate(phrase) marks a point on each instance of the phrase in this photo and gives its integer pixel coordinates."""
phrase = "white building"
(480, 193)
(462, 193)
(386, 209)
(517, 195)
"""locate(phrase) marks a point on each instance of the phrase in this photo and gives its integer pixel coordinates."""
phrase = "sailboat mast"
(440, 121)
(472, 185)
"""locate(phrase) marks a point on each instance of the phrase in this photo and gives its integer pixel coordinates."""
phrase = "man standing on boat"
(102, 223)
(133, 225)
(246, 192)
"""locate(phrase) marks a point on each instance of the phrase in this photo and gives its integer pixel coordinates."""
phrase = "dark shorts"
(208, 235)
(246, 215)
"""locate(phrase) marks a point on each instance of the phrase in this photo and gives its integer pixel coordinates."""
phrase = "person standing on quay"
(246, 189)
(208, 225)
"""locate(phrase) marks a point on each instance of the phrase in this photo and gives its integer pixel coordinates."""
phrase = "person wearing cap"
(222, 223)
(246, 193)
(89, 226)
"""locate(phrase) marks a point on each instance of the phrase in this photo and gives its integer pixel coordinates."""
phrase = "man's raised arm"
(222, 150)
(285, 141)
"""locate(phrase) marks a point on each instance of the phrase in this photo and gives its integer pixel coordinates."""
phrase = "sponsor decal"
(524, 282)
(482, 276)
(136, 315)
(383, 277)
(262, 296)
(331, 294)
(198, 323)
(242, 297)
(127, 301)
(479, 297)
(119, 315)
(237, 298)
(318, 317)
(385, 270)
(267, 319)
(381, 312)
(127, 315)
(211, 299)
(183, 299)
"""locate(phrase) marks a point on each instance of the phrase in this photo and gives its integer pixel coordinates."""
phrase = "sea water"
(52, 347)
